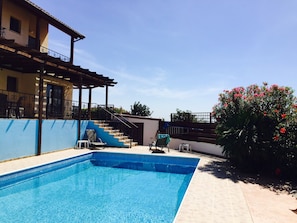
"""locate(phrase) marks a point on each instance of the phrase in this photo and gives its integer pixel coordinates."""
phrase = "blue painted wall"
(105, 136)
(58, 134)
(18, 137)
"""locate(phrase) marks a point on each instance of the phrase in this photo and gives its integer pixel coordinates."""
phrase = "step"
(114, 131)
(123, 138)
(106, 128)
(130, 144)
(116, 134)
(101, 123)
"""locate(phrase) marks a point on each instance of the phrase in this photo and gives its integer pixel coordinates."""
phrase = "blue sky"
(180, 54)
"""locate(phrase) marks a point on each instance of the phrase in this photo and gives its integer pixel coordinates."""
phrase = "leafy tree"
(183, 116)
(257, 127)
(138, 109)
(121, 111)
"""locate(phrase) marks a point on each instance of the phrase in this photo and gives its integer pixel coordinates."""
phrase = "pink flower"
(283, 116)
(274, 86)
(282, 130)
(276, 138)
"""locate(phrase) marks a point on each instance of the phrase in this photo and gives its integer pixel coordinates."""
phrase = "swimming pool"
(98, 187)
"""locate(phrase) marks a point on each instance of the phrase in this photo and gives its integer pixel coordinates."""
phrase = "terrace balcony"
(54, 54)
(16, 105)
(55, 108)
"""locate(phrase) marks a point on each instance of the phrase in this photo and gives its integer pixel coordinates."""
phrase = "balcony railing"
(198, 117)
(43, 49)
(11, 102)
(55, 54)
(20, 105)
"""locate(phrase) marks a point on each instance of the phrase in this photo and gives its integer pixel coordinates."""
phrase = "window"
(15, 25)
(11, 84)
(32, 42)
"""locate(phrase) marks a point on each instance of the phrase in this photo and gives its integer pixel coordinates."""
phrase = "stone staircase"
(116, 133)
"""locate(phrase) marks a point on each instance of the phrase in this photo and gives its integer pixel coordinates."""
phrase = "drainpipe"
(40, 109)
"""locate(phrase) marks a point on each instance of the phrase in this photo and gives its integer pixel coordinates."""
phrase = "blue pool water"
(99, 187)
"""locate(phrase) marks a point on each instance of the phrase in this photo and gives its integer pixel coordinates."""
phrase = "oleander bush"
(257, 127)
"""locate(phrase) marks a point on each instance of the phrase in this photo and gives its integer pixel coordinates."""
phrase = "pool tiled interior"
(212, 196)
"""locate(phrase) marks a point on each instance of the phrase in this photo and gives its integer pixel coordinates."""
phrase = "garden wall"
(150, 127)
(202, 147)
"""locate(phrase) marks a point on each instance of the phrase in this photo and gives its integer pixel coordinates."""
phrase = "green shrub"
(257, 127)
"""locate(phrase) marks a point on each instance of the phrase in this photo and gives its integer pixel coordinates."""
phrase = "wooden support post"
(79, 108)
(90, 104)
(106, 96)
(71, 49)
(1, 8)
(37, 43)
(40, 110)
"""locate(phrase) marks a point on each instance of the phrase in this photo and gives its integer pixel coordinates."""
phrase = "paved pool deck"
(214, 194)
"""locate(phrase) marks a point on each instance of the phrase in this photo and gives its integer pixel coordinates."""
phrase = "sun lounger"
(94, 141)
(161, 143)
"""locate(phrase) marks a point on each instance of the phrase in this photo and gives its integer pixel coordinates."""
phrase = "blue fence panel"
(18, 138)
(58, 134)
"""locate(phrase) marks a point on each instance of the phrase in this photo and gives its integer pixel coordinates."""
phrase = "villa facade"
(32, 76)
(37, 83)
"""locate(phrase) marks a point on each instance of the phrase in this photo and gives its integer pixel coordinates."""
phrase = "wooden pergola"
(27, 60)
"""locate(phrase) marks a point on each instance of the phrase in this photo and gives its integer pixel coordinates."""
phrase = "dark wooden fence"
(200, 127)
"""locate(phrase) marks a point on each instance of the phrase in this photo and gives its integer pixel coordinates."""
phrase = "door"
(54, 99)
